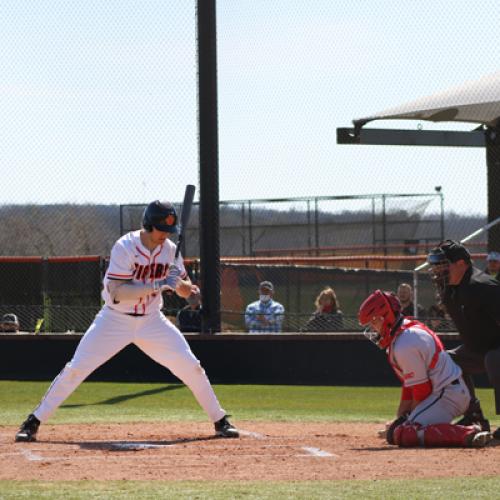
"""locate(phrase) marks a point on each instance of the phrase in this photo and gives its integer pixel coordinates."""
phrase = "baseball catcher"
(433, 390)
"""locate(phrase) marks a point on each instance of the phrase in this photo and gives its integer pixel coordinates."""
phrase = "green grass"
(486, 488)
(125, 402)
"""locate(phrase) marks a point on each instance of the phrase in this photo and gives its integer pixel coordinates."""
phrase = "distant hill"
(69, 229)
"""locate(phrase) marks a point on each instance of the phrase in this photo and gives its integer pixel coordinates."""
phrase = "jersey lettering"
(149, 271)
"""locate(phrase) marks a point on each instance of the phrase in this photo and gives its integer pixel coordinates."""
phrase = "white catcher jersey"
(131, 260)
(416, 358)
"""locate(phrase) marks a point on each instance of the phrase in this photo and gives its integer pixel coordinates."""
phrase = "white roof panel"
(476, 102)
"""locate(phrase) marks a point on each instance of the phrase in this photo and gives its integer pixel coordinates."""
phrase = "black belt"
(134, 314)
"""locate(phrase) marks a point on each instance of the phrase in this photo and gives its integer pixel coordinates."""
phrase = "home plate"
(316, 452)
(136, 446)
(255, 435)
(33, 457)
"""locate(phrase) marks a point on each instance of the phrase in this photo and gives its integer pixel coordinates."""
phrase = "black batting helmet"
(161, 215)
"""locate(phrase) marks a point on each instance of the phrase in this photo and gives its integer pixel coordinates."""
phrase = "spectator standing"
(264, 315)
(472, 299)
(327, 317)
(189, 317)
(405, 296)
(493, 265)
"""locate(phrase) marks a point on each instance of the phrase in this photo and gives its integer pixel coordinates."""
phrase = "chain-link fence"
(40, 293)
(335, 225)
(51, 294)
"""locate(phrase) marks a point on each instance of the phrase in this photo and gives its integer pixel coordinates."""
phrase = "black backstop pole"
(209, 166)
(493, 176)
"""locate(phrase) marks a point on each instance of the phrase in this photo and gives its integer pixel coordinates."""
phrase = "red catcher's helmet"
(385, 305)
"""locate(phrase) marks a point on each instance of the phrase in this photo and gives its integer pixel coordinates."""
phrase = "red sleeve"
(422, 391)
(407, 393)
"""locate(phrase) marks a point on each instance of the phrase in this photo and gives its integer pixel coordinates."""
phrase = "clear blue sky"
(98, 98)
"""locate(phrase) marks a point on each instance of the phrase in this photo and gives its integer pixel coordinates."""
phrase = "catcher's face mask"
(380, 314)
(373, 330)
(439, 270)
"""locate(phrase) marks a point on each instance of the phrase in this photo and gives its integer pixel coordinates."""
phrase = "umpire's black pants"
(473, 363)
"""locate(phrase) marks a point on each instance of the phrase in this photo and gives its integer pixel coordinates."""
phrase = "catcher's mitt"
(390, 430)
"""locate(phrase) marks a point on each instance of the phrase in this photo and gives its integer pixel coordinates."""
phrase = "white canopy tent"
(475, 102)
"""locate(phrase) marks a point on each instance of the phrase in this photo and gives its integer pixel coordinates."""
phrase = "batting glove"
(170, 281)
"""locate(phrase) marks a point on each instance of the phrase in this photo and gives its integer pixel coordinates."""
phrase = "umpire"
(472, 299)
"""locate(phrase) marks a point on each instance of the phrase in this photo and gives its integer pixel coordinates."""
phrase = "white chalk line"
(255, 435)
(32, 457)
(311, 451)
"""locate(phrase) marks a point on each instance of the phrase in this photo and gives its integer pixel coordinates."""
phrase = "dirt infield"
(277, 451)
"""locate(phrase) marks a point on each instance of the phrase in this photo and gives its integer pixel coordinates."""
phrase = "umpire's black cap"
(453, 250)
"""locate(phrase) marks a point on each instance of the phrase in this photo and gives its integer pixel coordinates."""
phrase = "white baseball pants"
(444, 406)
(154, 334)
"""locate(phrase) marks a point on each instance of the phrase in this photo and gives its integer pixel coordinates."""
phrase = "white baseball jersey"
(131, 260)
(418, 355)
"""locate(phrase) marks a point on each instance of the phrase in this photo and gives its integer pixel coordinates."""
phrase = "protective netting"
(100, 117)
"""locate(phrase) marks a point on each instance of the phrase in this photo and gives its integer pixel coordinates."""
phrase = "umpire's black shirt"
(474, 306)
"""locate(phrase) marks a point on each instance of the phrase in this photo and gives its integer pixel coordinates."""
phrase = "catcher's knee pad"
(408, 435)
(447, 434)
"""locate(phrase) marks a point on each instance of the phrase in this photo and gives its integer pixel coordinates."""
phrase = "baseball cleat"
(223, 428)
(479, 440)
(481, 422)
(474, 416)
(29, 428)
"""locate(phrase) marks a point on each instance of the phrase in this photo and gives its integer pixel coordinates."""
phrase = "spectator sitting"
(189, 317)
(328, 317)
(264, 315)
(405, 296)
(493, 265)
(9, 323)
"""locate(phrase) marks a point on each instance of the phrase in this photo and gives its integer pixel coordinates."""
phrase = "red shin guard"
(447, 434)
(407, 435)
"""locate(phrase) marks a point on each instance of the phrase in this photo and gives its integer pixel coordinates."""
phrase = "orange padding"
(406, 394)
(422, 391)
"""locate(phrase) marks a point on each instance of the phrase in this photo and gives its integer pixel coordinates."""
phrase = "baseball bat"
(186, 212)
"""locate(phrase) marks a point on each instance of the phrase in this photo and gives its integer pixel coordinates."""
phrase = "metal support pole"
(316, 226)
(442, 215)
(209, 166)
(250, 232)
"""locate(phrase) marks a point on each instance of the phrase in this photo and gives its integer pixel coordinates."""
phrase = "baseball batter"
(141, 267)
(433, 389)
